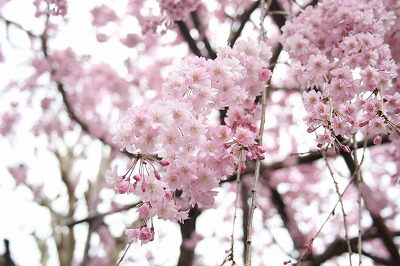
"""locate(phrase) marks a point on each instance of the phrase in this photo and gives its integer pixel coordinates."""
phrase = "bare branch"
(92, 218)
(243, 18)
(201, 30)
(188, 37)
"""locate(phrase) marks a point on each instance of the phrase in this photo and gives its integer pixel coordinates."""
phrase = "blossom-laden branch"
(260, 136)
(190, 150)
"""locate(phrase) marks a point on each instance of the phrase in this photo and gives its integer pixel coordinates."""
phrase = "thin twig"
(359, 180)
(258, 161)
(123, 255)
(323, 224)
(342, 207)
(101, 215)
(236, 203)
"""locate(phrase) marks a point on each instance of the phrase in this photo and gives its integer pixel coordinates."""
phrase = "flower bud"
(346, 149)
(243, 169)
(310, 130)
(137, 177)
(249, 155)
(261, 149)
(378, 140)
(168, 195)
(157, 175)
(363, 123)
(164, 162)
(123, 187)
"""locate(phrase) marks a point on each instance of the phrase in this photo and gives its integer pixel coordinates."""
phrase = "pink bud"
(157, 175)
(346, 148)
(243, 169)
(151, 234)
(253, 128)
(249, 155)
(309, 251)
(122, 187)
(264, 74)
(310, 130)
(144, 187)
(378, 140)
(261, 149)
(397, 111)
(164, 162)
(168, 195)
(363, 123)
(137, 177)
(144, 211)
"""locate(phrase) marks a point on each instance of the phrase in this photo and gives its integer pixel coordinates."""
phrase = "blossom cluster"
(177, 10)
(57, 7)
(181, 148)
(339, 52)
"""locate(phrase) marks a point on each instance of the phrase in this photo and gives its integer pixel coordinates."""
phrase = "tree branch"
(243, 18)
(200, 29)
(189, 39)
(339, 247)
(186, 256)
(92, 218)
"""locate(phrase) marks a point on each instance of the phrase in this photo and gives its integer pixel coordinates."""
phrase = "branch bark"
(339, 246)
(187, 229)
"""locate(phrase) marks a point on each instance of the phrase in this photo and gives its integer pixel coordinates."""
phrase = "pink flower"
(123, 187)
(132, 234)
(144, 210)
(264, 74)
(378, 140)
(112, 176)
(245, 136)
(146, 234)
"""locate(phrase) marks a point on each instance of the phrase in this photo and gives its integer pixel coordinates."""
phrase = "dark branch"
(243, 18)
(200, 29)
(187, 229)
(92, 218)
(189, 39)
(339, 246)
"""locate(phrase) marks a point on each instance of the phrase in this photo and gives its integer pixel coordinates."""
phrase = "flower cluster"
(177, 10)
(58, 7)
(180, 144)
(348, 68)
